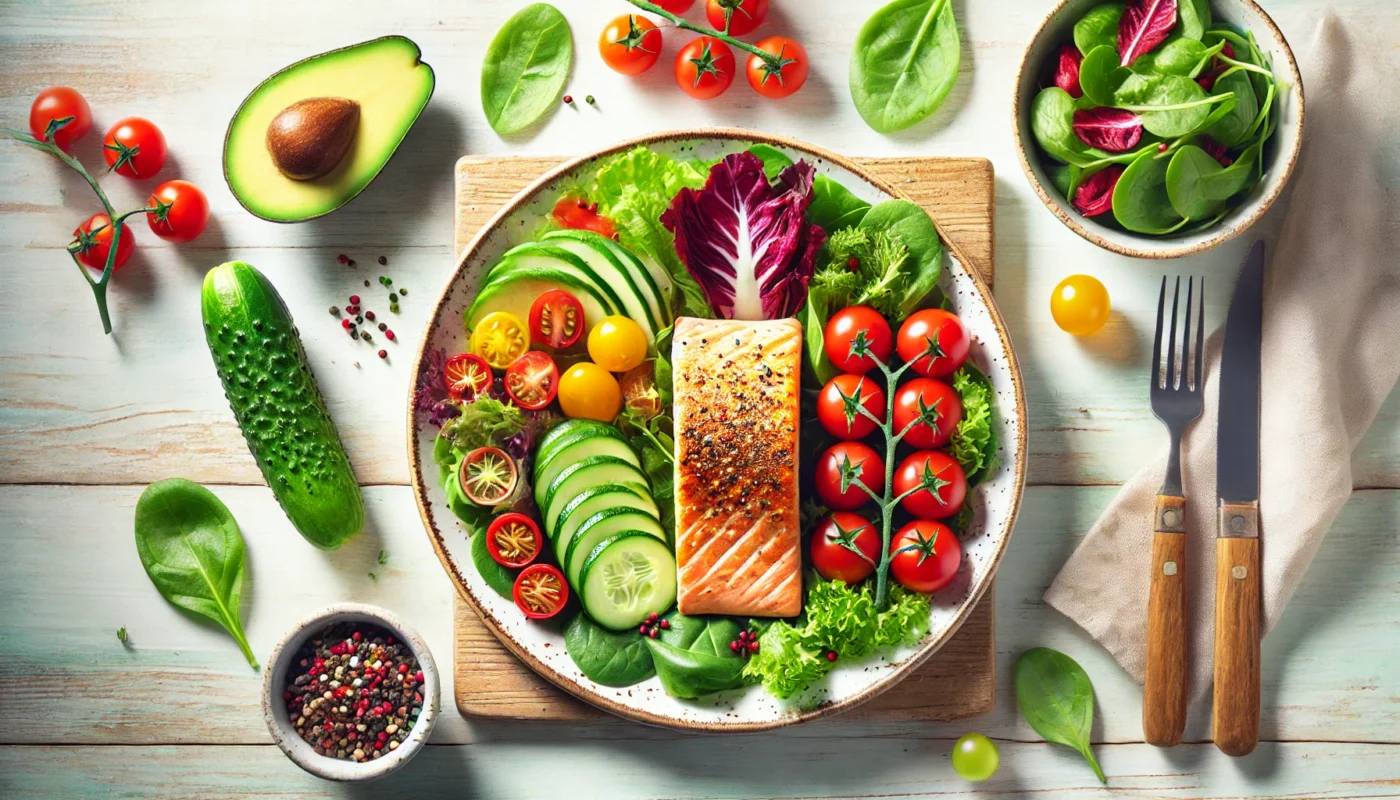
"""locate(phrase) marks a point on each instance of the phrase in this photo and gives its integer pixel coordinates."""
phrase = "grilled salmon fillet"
(738, 547)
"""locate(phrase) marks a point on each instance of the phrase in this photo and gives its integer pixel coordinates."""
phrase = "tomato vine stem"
(772, 62)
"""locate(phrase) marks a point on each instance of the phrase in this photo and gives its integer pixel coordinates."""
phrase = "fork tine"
(1186, 336)
(1172, 364)
(1201, 335)
(1157, 338)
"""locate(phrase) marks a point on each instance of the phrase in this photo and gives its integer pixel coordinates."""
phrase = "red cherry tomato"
(855, 325)
(925, 556)
(182, 211)
(532, 380)
(134, 147)
(540, 591)
(487, 476)
(578, 214)
(925, 400)
(863, 464)
(790, 74)
(513, 540)
(94, 239)
(935, 341)
(736, 17)
(838, 406)
(556, 319)
(57, 103)
(705, 68)
(676, 6)
(835, 543)
(630, 44)
(466, 376)
(945, 485)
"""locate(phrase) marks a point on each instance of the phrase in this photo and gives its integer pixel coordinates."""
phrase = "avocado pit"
(309, 138)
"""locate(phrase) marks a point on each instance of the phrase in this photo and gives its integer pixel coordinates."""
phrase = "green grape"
(975, 757)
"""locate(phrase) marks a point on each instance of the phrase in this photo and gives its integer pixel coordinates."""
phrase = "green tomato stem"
(769, 59)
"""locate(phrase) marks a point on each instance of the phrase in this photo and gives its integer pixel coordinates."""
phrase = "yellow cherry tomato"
(1080, 305)
(617, 344)
(587, 391)
(500, 338)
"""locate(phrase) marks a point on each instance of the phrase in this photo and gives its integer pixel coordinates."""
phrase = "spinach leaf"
(1140, 201)
(1057, 699)
(904, 62)
(1100, 75)
(1065, 178)
(911, 226)
(1178, 55)
(1052, 123)
(1193, 17)
(193, 552)
(814, 315)
(608, 658)
(1170, 105)
(692, 658)
(774, 160)
(834, 206)
(526, 67)
(1232, 129)
(1198, 185)
(1097, 28)
(495, 575)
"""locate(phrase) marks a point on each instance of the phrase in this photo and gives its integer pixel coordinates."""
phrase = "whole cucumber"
(258, 354)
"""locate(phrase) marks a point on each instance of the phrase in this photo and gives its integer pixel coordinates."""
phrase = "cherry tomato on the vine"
(181, 211)
(630, 44)
(922, 401)
(513, 540)
(790, 72)
(858, 328)
(580, 215)
(736, 17)
(705, 68)
(675, 6)
(532, 381)
(838, 406)
(861, 463)
(556, 319)
(466, 376)
(944, 484)
(540, 591)
(935, 340)
(134, 147)
(95, 242)
(925, 556)
(1080, 305)
(57, 103)
(845, 547)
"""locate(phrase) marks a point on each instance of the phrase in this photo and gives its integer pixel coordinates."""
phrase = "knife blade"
(1237, 586)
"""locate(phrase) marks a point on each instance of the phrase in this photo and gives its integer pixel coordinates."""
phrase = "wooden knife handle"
(1238, 610)
(1164, 690)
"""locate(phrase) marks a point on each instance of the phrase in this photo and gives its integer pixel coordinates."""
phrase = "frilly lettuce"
(974, 442)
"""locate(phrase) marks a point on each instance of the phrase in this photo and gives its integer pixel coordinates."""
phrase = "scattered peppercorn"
(383, 327)
(369, 315)
(121, 634)
(390, 336)
(384, 281)
(383, 261)
(403, 292)
(346, 323)
(335, 310)
(364, 335)
(383, 556)
(831, 655)
(342, 258)
(568, 99)
(366, 283)
(352, 262)
(383, 353)
(746, 645)
(589, 100)
(1161, 147)
(354, 299)
(853, 264)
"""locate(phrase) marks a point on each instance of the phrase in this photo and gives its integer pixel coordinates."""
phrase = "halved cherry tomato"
(932, 407)
(630, 44)
(587, 391)
(500, 338)
(513, 540)
(466, 376)
(57, 103)
(791, 71)
(578, 214)
(532, 380)
(94, 239)
(840, 401)
(845, 547)
(639, 390)
(858, 329)
(556, 319)
(617, 343)
(935, 340)
(944, 484)
(181, 211)
(705, 68)
(134, 147)
(488, 476)
(736, 17)
(540, 591)
(925, 556)
(860, 463)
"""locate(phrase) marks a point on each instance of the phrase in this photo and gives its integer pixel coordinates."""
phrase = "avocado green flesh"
(391, 86)
(259, 358)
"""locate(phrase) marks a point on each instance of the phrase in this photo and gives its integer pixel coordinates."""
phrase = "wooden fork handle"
(1237, 619)
(1164, 689)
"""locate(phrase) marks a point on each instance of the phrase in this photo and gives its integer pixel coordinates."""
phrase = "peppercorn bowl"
(325, 648)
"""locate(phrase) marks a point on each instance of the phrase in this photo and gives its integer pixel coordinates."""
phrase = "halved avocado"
(390, 84)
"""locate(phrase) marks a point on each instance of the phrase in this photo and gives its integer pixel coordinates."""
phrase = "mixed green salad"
(557, 448)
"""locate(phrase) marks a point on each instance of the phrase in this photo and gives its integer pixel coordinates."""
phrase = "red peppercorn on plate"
(695, 397)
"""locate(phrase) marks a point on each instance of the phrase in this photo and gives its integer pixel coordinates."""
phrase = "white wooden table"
(87, 420)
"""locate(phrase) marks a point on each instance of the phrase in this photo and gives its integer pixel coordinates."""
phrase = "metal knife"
(1238, 608)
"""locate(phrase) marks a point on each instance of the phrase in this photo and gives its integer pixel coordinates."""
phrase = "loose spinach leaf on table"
(499, 578)
(911, 226)
(692, 658)
(193, 552)
(607, 657)
(1198, 185)
(904, 62)
(1140, 201)
(834, 206)
(1057, 699)
(1097, 28)
(526, 67)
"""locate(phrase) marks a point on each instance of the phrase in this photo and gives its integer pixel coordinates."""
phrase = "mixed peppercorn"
(356, 315)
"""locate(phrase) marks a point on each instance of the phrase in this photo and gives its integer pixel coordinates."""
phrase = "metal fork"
(1177, 401)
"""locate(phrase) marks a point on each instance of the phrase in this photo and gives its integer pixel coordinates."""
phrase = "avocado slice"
(384, 76)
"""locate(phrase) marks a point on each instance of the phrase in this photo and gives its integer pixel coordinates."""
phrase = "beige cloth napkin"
(1331, 355)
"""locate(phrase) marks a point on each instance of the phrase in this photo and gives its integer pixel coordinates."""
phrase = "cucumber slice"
(601, 526)
(569, 427)
(592, 248)
(515, 291)
(575, 449)
(653, 273)
(626, 578)
(577, 477)
(538, 255)
(594, 499)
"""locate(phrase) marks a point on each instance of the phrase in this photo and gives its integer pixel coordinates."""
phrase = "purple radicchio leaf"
(1144, 25)
(444, 410)
(1111, 129)
(746, 242)
(430, 392)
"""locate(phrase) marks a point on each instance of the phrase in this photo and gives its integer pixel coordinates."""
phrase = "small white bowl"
(1035, 73)
(275, 682)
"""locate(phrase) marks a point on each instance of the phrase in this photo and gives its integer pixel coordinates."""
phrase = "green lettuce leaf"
(784, 664)
(974, 442)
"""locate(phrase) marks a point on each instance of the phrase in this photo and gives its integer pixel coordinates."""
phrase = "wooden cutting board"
(956, 682)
